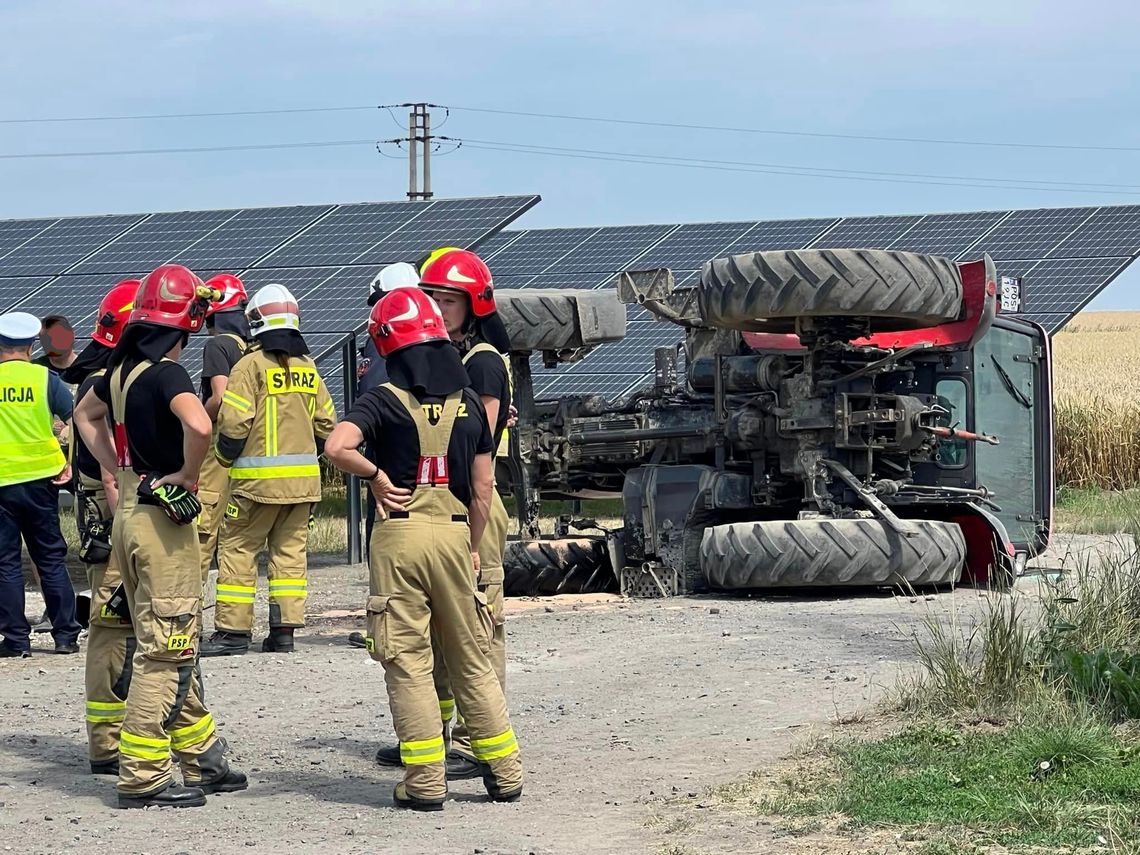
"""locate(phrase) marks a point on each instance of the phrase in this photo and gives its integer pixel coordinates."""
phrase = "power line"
(185, 150)
(799, 172)
(795, 133)
(210, 115)
(794, 169)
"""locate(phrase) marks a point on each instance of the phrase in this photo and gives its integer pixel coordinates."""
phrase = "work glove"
(176, 502)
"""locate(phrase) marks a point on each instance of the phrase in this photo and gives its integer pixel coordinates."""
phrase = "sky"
(1041, 73)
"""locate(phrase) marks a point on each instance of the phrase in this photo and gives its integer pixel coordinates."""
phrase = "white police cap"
(18, 329)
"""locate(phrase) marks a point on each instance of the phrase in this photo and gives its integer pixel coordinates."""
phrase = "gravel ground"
(620, 706)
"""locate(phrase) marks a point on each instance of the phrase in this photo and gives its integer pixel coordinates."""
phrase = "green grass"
(1094, 511)
(1048, 784)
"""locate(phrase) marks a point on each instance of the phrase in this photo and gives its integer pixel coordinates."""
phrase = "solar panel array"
(1065, 255)
(326, 254)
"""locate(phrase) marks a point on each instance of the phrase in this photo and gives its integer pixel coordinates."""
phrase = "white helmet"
(273, 308)
(399, 275)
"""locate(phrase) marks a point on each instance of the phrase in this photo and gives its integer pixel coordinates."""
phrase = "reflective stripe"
(100, 711)
(236, 594)
(271, 427)
(311, 406)
(192, 734)
(144, 747)
(330, 407)
(495, 747)
(287, 588)
(276, 466)
(422, 752)
(236, 401)
(446, 709)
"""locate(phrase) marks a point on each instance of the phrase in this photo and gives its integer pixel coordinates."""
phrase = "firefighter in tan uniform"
(158, 437)
(229, 340)
(276, 414)
(110, 640)
(433, 483)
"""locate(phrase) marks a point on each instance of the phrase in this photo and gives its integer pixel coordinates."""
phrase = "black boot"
(390, 756)
(173, 795)
(460, 767)
(498, 795)
(105, 767)
(279, 640)
(7, 652)
(404, 799)
(225, 643)
(230, 782)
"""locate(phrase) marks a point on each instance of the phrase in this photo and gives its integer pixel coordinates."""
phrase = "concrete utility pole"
(419, 134)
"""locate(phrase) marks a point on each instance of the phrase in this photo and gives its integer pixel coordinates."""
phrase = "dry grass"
(1097, 396)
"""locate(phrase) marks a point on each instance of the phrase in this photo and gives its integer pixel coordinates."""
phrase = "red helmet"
(114, 311)
(404, 317)
(172, 296)
(232, 290)
(463, 271)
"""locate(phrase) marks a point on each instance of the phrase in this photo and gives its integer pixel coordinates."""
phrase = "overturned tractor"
(832, 418)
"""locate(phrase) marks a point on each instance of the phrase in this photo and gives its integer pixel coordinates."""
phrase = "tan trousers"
(284, 531)
(162, 575)
(491, 584)
(422, 583)
(213, 492)
(110, 647)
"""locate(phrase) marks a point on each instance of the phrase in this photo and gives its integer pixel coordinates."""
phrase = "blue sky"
(1012, 70)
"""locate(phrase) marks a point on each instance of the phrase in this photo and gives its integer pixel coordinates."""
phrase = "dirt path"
(618, 705)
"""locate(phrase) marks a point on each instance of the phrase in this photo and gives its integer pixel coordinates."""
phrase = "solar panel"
(1052, 321)
(1067, 285)
(301, 281)
(778, 234)
(1030, 234)
(1110, 231)
(447, 222)
(57, 248)
(13, 233)
(344, 234)
(611, 249)
(534, 251)
(498, 242)
(158, 239)
(947, 234)
(339, 303)
(75, 297)
(249, 235)
(691, 245)
(608, 385)
(569, 280)
(14, 289)
(866, 232)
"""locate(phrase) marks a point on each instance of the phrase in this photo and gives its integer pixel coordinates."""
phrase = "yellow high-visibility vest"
(28, 449)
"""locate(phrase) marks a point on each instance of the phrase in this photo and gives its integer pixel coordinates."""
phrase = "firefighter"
(110, 640)
(158, 437)
(461, 284)
(432, 480)
(276, 414)
(229, 340)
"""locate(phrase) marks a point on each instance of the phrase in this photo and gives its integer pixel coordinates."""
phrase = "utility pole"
(419, 134)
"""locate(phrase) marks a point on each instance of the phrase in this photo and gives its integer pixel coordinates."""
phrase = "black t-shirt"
(488, 376)
(154, 433)
(85, 461)
(218, 359)
(391, 435)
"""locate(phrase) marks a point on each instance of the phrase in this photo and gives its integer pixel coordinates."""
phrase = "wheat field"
(1096, 374)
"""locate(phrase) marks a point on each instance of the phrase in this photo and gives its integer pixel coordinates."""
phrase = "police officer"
(461, 284)
(110, 637)
(229, 340)
(275, 416)
(32, 467)
(433, 483)
(159, 434)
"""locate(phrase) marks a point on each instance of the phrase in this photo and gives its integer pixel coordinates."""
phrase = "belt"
(403, 515)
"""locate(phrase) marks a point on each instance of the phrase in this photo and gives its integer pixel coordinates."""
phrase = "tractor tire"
(572, 565)
(831, 553)
(540, 319)
(767, 291)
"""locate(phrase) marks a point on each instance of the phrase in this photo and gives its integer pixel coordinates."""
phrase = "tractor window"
(951, 392)
(1004, 406)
